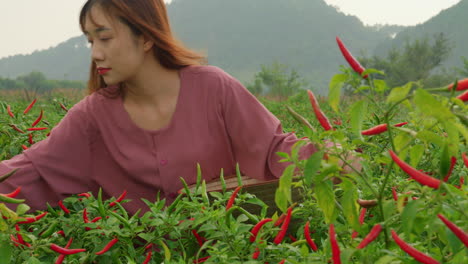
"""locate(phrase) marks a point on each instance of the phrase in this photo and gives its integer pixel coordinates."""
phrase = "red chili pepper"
(282, 262)
(20, 237)
(61, 257)
(256, 253)
(96, 219)
(309, 240)
(453, 161)
(362, 215)
(284, 228)
(465, 159)
(400, 124)
(323, 120)
(30, 140)
(233, 197)
(65, 251)
(280, 220)
(37, 128)
(201, 260)
(119, 199)
(462, 85)
(418, 176)
(357, 67)
(85, 216)
(29, 220)
(394, 193)
(463, 96)
(257, 228)
(38, 119)
(148, 257)
(24, 147)
(108, 246)
(63, 107)
(416, 254)
(61, 232)
(17, 129)
(375, 231)
(13, 194)
(29, 106)
(65, 209)
(9, 111)
(462, 235)
(87, 195)
(334, 245)
(200, 239)
(379, 129)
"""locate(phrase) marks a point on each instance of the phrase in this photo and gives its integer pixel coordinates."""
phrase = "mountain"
(237, 36)
(452, 22)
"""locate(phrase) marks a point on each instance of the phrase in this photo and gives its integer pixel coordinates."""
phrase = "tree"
(416, 62)
(276, 81)
(34, 83)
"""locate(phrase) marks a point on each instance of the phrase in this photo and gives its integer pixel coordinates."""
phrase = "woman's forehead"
(97, 21)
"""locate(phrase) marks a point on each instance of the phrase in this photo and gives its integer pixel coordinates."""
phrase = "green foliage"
(415, 62)
(275, 81)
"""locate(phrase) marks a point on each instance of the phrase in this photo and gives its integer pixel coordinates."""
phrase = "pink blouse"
(217, 123)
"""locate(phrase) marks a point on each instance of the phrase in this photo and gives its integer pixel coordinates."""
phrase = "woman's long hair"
(148, 18)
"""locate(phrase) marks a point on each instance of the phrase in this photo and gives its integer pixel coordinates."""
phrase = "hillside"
(452, 22)
(237, 36)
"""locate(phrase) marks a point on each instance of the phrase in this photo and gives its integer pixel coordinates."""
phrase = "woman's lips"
(102, 71)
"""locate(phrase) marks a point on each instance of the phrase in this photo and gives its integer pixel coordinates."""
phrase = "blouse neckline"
(124, 114)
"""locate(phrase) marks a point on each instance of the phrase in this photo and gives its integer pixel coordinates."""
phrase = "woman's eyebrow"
(100, 29)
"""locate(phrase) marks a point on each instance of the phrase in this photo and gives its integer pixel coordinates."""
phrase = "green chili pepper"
(174, 203)
(199, 177)
(101, 209)
(187, 191)
(121, 219)
(124, 212)
(6, 176)
(223, 182)
(204, 194)
(49, 231)
(6, 199)
(238, 175)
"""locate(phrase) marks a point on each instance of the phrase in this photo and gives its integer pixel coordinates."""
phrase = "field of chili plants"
(404, 201)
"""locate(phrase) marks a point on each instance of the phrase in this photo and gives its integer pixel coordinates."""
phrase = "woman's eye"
(104, 39)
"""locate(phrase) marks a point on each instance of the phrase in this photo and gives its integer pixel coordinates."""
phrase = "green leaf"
(335, 91)
(401, 140)
(430, 137)
(283, 193)
(409, 215)
(416, 153)
(430, 106)
(453, 137)
(326, 200)
(22, 209)
(399, 93)
(444, 160)
(312, 166)
(348, 202)
(5, 250)
(380, 86)
(357, 111)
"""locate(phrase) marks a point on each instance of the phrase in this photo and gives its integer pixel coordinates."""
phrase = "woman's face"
(117, 53)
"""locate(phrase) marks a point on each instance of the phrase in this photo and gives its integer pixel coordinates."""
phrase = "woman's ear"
(147, 44)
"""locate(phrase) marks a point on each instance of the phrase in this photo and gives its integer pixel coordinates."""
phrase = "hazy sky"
(29, 25)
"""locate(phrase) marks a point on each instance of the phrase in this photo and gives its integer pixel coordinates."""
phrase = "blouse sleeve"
(256, 134)
(55, 167)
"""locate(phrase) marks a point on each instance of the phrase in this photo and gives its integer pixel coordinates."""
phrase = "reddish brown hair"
(148, 18)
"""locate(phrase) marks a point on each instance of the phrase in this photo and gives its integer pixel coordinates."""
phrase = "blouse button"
(163, 162)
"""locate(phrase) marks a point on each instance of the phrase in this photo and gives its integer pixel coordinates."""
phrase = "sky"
(30, 25)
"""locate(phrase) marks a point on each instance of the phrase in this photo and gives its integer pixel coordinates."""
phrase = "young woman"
(154, 111)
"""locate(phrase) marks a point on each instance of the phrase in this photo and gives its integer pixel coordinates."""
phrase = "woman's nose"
(96, 53)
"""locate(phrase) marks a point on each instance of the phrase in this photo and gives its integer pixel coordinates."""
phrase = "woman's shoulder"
(207, 72)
